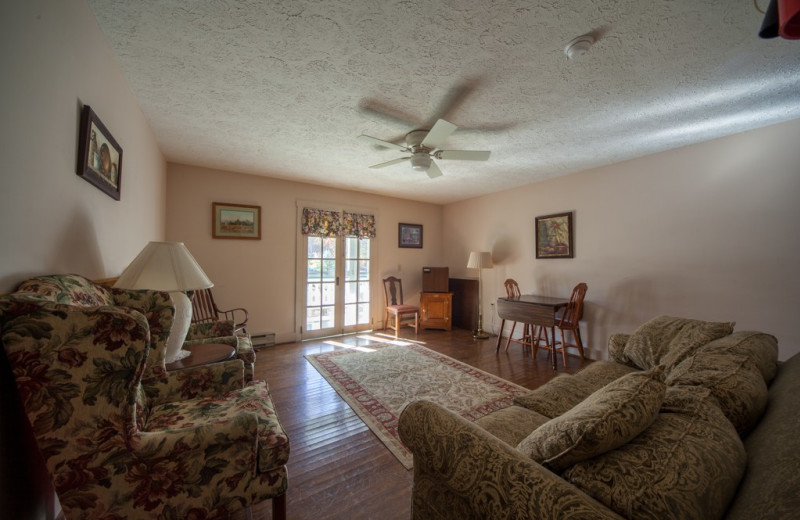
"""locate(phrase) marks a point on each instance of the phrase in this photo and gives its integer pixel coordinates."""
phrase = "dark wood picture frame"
(99, 155)
(409, 235)
(554, 236)
(238, 221)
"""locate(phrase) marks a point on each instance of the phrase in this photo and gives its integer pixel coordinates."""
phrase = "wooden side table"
(202, 354)
(436, 310)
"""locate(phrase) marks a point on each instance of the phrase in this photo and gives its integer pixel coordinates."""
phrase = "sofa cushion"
(733, 368)
(557, 396)
(605, 420)
(512, 423)
(667, 340)
(686, 465)
(600, 373)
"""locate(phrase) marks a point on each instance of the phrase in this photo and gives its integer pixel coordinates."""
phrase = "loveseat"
(686, 420)
(121, 436)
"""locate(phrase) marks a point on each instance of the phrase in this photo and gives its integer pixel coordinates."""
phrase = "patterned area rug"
(379, 380)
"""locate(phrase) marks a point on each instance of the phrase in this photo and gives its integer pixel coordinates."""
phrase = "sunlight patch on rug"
(378, 381)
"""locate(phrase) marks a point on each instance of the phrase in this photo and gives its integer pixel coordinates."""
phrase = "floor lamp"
(168, 266)
(480, 260)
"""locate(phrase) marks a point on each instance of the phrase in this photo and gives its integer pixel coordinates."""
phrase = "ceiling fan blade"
(389, 163)
(463, 155)
(434, 170)
(380, 142)
(440, 131)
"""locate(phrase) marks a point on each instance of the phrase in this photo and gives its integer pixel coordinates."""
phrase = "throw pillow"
(605, 420)
(667, 340)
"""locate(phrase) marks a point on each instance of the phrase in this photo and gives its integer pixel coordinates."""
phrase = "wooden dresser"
(436, 310)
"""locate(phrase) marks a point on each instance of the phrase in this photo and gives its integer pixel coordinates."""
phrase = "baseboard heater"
(263, 339)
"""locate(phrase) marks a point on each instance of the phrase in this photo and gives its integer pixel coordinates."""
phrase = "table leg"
(553, 348)
(500, 336)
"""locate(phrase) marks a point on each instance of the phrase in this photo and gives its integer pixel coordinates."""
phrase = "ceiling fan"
(424, 146)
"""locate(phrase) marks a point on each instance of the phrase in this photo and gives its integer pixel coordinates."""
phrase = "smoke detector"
(579, 46)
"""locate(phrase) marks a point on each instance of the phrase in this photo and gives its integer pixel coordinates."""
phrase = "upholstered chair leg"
(279, 507)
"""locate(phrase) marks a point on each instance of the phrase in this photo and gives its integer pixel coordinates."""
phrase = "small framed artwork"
(409, 235)
(554, 236)
(235, 221)
(99, 155)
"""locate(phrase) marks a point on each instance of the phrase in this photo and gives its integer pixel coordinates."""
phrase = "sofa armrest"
(483, 473)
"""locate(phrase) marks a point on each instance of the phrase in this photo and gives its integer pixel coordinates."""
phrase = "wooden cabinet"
(436, 310)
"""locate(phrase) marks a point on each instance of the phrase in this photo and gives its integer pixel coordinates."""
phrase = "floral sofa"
(122, 437)
(687, 420)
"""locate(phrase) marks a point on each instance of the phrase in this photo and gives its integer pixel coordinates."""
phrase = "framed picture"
(554, 236)
(99, 155)
(235, 221)
(409, 235)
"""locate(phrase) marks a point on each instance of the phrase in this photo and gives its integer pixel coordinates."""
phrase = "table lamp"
(480, 260)
(168, 266)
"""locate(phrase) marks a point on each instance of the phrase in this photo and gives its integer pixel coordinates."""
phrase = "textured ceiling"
(283, 88)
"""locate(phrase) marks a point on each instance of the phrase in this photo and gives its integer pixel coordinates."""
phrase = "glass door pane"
(320, 284)
(356, 282)
(337, 285)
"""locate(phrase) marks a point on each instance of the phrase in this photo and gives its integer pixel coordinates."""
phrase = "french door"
(336, 279)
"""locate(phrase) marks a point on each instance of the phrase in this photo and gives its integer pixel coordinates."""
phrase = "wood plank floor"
(338, 468)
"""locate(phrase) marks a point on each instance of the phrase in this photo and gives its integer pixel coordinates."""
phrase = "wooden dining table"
(533, 309)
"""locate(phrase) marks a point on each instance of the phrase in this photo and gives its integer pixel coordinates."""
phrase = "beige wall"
(708, 231)
(54, 60)
(260, 274)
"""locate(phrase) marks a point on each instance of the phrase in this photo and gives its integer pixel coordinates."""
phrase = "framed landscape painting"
(99, 155)
(554, 236)
(235, 221)
(409, 235)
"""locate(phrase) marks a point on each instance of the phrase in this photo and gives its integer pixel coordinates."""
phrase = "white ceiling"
(282, 88)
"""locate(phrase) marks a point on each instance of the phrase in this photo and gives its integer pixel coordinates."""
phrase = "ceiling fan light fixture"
(421, 161)
(579, 46)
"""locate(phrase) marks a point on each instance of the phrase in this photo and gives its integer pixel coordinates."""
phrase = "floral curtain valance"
(358, 225)
(335, 223)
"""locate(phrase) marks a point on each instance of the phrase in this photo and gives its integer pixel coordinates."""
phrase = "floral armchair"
(122, 437)
(71, 289)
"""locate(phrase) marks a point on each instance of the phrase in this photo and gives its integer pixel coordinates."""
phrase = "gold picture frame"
(238, 221)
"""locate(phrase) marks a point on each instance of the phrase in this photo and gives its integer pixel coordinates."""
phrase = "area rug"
(378, 381)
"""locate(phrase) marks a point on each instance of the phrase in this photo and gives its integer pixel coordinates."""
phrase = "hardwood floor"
(338, 468)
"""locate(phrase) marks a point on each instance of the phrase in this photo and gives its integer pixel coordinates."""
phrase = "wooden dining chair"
(204, 309)
(393, 297)
(569, 321)
(513, 293)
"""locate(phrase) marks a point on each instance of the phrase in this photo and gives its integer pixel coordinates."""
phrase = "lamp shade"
(164, 266)
(480, 260)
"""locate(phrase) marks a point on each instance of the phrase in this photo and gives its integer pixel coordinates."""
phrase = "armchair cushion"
(605, 420)
(254, 400)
